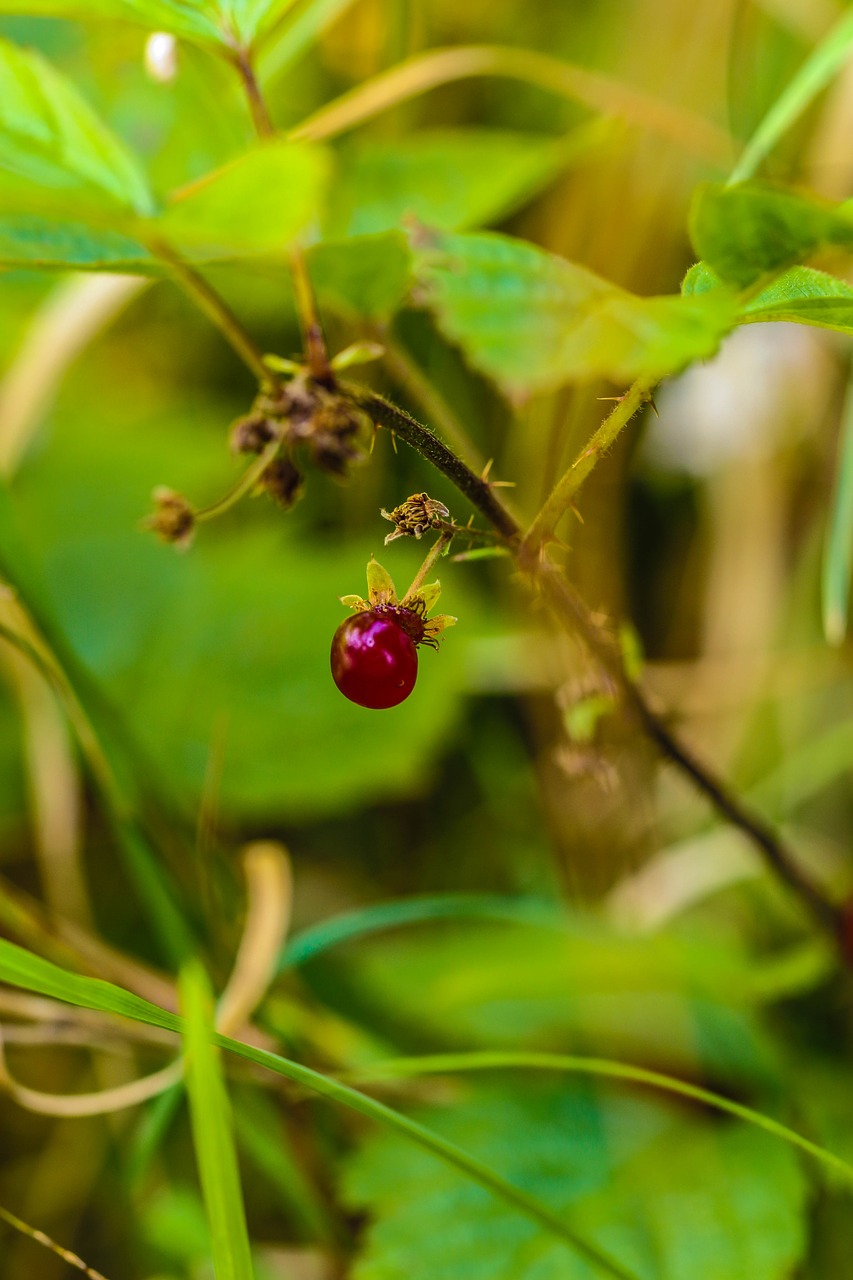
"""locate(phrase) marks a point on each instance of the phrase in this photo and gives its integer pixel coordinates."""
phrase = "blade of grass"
(380, 916)
(20, 968)
(213, 1139)
(838, 548)
(450, 1063)
(813, 76)
(597, 92)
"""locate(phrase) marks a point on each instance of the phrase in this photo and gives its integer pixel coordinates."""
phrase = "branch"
(574, 614)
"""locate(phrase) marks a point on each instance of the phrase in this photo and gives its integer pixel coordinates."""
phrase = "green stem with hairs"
(563, 494)
(244, 485)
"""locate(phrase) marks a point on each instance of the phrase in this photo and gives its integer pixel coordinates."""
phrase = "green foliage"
(451, 179)
(429, 844)
(212, 1124)
(747, 231)
(50, 135)
(192, 647)
(258, 204)
(669, 1194)
(207, 21)
(532, 321)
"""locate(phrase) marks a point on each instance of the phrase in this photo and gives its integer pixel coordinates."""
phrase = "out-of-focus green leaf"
(801, 295)
(20, 968)
(212, 1128)
(532, 321)
(366, 276)
(521, 984)
(41, 243)
(255, 205)
(195, 19)
(746, 231)
(450, 179)
(51, 136)
(669, 1195)
(208, 21)
(229, 643)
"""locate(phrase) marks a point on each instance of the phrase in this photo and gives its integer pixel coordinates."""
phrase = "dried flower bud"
(415, 516)
(173, 518)
(282, 481)
(253, 433)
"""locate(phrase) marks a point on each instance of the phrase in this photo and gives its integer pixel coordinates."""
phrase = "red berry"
(374, 660)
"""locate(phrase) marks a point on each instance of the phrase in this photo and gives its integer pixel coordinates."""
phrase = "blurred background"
(508, 775)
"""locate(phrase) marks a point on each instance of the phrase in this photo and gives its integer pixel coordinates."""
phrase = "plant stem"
(217, 310)
(66, 1255)
(244, 485)
(478, 492)
(546, 580)
(562, 495)
(434, 554)
(316, 352)
(261, 118)
(413, 380)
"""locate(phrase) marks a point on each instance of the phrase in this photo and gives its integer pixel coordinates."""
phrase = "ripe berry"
(374, 660)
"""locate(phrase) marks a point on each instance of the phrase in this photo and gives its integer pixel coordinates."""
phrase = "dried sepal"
(424, 599)
(380, 586)
(433, 627)
(354, 602)
(173, 519)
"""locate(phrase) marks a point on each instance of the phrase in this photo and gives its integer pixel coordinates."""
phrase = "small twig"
(40, 1237)
(244, 485)
(261, 117)
(314, 341)
(434, 554)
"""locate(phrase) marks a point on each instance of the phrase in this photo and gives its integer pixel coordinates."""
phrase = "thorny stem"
(476, 490)
(567, 605)
(434, 554)
(562, 495)
(564, 602)
(244, 485)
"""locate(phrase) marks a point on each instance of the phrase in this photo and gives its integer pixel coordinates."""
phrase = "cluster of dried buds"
(303, 420)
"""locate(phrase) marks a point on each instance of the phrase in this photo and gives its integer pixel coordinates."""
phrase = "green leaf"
(533, 321)
(232, 639)
(49, 135)
(210, 1114)
(20, 968)
(44, 244)
(194, 19)
(367, 276)
(800, 295)
(673, 1196)
(745, 232)
(537, 984)
(449, 179)
(256, 205)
